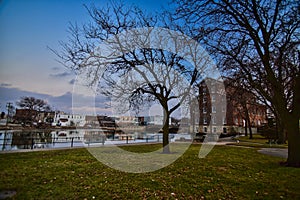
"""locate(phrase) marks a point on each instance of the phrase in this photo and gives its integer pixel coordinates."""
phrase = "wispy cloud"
(61, 75)
(56, 68)
(63, 102)
(10, 94)
(72, 81)
(5, 85)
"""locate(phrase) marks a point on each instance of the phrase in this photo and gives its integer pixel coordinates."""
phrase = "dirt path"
(283, 153)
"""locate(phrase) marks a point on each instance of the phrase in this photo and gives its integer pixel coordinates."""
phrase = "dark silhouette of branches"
(133, 63)
(257, 41)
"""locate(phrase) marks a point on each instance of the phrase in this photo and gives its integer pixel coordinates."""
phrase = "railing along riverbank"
(16, 140)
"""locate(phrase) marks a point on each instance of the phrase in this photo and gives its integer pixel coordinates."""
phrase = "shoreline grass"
(226, 173)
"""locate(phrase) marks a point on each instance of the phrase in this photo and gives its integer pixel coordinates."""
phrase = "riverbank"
(20, 127)
(118, 129)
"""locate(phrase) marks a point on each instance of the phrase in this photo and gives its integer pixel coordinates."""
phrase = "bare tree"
(244, 85)
(32, 103)
(133, 63)
(33, 107)
(158, 77)
(241, 98)
(259, 40)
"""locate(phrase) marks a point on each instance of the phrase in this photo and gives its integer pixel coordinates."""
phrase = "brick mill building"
(225, 107)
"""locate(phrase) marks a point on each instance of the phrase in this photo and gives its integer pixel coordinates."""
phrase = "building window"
(204, 110)
(213, 118)
(204, 100)
(214, 129)
(213, 98)
(213, 89)
(213, 109)
(204, 120)
(223, 108)
(224, 130)
(224, 120)
(223, 98)
(205, 129)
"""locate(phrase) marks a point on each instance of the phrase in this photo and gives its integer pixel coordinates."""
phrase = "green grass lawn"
(226, 173)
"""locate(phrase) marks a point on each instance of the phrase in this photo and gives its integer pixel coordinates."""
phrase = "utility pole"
(8, 106)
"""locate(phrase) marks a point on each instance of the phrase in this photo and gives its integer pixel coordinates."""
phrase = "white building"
(63, 119)
(156, 120)
(132, 120)
(126, 120)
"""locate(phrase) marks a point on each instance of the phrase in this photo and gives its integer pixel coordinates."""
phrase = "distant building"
(140, 120)
(126, 121)
(152, 120)
(156, 120)
(225, 111)
(33, 116)
(91, 121)
(99, 121)
(105, 121)
(63, 119)
(46, 117)
(25, 116)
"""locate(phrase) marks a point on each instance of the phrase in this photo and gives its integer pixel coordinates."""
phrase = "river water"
(11, 140)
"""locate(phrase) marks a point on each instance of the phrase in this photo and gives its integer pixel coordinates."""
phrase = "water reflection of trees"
(94, 137)
(28, 139)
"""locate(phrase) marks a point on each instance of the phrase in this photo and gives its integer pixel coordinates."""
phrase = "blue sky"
(27, 67)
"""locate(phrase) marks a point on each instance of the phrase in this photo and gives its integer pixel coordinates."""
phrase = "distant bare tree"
(259, 41)
(33, 106)
(2, 115)
(32, 103)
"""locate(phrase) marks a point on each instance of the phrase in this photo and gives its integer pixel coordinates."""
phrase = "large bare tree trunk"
(246, 127)
(248, 121)
(281, 132)
(250, 129)
(166, 148)
(292, 129)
